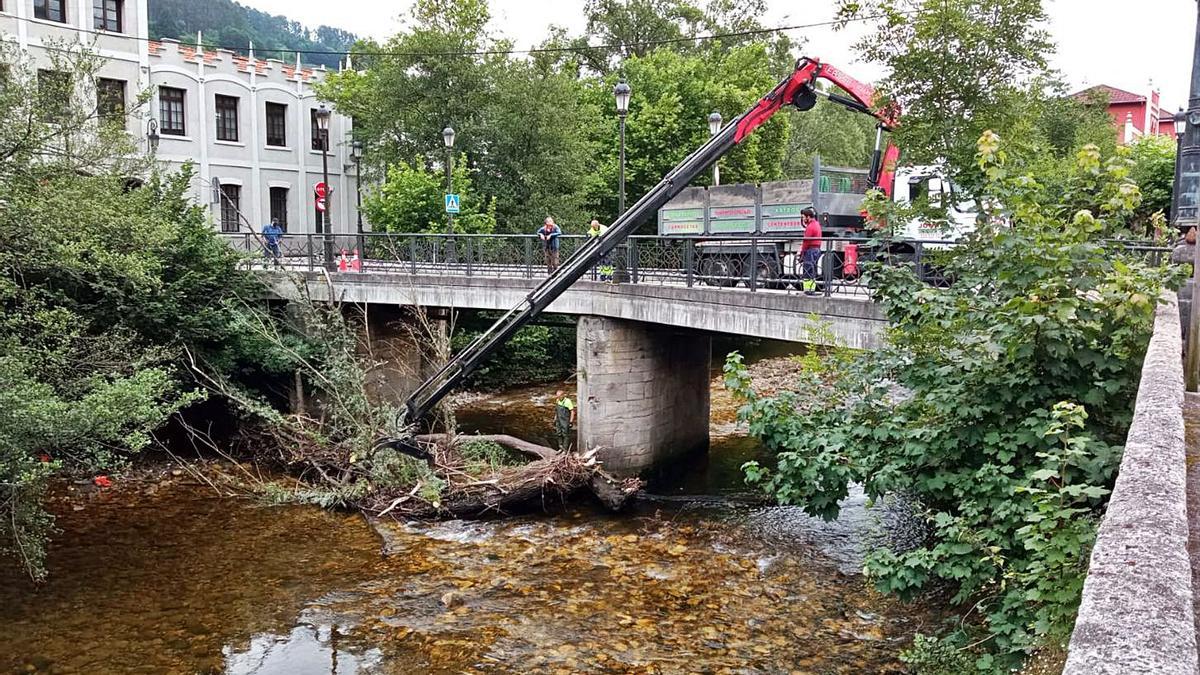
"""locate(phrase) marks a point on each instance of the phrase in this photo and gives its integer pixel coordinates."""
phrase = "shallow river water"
(181, 581)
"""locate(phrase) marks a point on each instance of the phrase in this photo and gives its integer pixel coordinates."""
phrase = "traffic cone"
(343, 264)
(355, 263)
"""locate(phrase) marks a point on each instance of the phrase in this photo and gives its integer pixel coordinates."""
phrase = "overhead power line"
(501, 52)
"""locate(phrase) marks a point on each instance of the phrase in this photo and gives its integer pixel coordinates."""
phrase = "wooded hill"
(226, 23)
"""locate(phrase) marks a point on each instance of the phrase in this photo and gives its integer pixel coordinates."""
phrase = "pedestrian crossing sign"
(452, 202)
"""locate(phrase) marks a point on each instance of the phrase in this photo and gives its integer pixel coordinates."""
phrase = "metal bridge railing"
(747, 263)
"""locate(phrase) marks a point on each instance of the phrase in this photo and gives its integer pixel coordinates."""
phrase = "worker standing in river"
(564, 418)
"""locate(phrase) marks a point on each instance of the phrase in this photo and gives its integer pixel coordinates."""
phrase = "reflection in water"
(305, 647)
(180, 582)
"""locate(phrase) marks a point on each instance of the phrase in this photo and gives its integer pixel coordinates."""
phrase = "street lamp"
(448, 139)
(152, 136)
(621, 93)
(714, 127)
(356, 152)
(323, 227)
(1186, 191)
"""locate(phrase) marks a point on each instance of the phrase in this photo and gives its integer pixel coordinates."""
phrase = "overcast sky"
(1130, 45)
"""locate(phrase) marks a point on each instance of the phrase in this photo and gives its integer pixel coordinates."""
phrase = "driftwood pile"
(541, 484)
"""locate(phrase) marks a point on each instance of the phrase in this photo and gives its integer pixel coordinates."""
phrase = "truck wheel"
(715, 271)
(766, 275)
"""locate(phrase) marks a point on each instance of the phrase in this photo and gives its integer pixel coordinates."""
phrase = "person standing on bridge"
(272, 233)
(549, 234)
(595, 229)
(810, 250)
(564, 418)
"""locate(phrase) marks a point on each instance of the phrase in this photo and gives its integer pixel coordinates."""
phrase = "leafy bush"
(105, 288)
(999, 402)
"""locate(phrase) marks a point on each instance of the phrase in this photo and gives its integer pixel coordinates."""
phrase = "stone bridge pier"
(642, 391)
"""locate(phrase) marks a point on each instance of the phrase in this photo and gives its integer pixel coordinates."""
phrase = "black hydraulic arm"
(792, 89)
(441, 383)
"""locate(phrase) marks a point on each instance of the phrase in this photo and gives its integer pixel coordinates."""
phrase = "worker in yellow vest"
(595, 229)
(564, 418)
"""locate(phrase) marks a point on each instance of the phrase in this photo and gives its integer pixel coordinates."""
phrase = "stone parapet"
(1137, 613)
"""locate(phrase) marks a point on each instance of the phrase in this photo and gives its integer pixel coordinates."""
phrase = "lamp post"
(714, 127)
(152, 136)
(1187, 189)
(621, 93)
(356, 152)
(448, 139)
(323, 227)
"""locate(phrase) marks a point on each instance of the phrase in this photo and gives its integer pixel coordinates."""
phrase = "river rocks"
(451, 599)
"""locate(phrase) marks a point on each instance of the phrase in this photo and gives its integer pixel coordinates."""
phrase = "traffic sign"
(320, 203)
(452, 203)
(319, 190)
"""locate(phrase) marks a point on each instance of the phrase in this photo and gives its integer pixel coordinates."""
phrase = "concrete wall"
(851, 321)
(1137, 611)
(643, 392)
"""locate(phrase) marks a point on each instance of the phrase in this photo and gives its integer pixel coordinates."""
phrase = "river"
(162, 576)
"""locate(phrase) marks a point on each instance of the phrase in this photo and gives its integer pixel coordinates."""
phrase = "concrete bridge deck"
(846, 320)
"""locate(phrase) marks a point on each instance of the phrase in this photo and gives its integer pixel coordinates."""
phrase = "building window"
(279, 206)
(110, 100)
(316, 130)
(170, 111)
(54, 95)
(231, 205)
(277, 125)
(227, 118)
(50, 10)
(106, 15)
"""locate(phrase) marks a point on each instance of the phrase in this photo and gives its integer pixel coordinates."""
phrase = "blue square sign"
(452, 202)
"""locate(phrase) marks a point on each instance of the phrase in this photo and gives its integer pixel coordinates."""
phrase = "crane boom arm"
(796, 90)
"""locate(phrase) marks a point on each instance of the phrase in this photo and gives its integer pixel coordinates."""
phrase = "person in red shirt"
(810, 250)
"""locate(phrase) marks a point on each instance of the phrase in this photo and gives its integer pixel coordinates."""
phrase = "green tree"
(411, 200)
(541, 147)
(107, 291)
(999, 404)
(956, 68)
(673, 95)
(836, 135)
(1153, 172)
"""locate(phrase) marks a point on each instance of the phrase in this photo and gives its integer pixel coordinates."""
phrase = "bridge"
(643, 344)
(643, 355)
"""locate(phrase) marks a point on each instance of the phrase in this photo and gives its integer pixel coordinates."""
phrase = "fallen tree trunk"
(521, 446)
(549, 479)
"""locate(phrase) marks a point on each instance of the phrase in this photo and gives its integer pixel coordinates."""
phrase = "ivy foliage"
(1000, 402)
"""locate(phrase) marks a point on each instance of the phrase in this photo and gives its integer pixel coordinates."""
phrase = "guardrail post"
(469, 255)
(920, 248)
(412, 255)
(752, 280)
(827, 267)
(528, 257)
(309, 250)
(633, 260)
(361, 240)
(689, 261)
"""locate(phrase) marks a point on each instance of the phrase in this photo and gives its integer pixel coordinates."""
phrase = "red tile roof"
(1114, 95)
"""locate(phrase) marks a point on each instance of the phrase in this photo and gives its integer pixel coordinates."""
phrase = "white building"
(247, 124)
